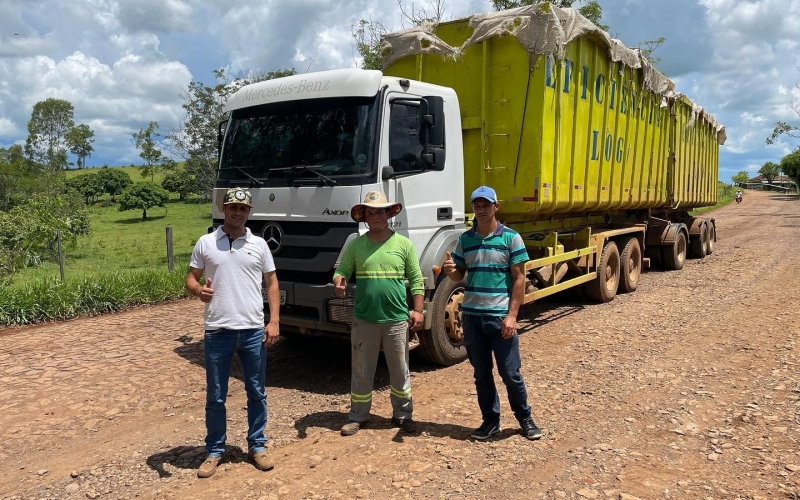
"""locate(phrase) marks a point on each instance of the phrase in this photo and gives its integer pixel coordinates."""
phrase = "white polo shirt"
(236, 270)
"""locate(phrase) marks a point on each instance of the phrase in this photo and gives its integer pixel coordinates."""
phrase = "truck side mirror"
(432, 119)
(431, 127)
(387, 173)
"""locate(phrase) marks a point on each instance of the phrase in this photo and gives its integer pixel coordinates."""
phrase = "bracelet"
(419, 311)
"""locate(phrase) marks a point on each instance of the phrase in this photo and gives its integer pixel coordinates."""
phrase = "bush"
(52, 300)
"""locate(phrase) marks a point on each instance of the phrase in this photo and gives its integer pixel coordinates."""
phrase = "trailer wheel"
(675, 256)
(631, 258)
(697, 247)
(699, 244)
(443, 344)
(604, 287)
(711, 233)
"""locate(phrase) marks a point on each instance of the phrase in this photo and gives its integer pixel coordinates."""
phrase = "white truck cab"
(309, 147)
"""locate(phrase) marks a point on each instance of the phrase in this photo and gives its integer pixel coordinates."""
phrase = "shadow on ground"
(137, 220)
(190, 458)
(312, 364)
(334, 420)
(785, 197)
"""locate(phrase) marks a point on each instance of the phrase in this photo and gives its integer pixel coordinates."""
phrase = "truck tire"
(697, 246)
(675, 256)
(712, 236)
(604, 287)
(443, 344)
(631, 258)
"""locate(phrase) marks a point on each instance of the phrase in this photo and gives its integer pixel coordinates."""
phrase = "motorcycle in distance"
(738, 197)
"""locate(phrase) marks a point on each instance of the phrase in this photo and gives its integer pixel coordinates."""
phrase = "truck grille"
(309, 249)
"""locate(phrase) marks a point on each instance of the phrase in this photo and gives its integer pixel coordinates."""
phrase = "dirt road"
(687, 388)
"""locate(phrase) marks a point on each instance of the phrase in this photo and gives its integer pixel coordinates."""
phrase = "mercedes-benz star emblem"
(273, 234)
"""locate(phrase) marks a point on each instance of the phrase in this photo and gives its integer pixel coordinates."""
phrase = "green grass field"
(134, 172)
(121, 241)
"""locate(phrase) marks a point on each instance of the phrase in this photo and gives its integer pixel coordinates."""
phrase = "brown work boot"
(261, 460)
(351, 428)
(209, 467)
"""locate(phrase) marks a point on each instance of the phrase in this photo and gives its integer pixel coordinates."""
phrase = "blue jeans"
(220, 345)
(482, 338)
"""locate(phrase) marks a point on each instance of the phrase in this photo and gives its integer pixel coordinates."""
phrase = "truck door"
(427, 194)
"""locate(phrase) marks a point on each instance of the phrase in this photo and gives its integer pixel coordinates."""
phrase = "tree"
(16, 176)
(143, 196)
(114, 181)
(367, 35)
(51, 121)
(770, 171)
(88, 185)
(783, 128)
(741, 177)
(195, 140)
(790, 165)
(28, 230)
(148, 146)
(647, 48)
(592, 11)
(179, 181)
(80, 140)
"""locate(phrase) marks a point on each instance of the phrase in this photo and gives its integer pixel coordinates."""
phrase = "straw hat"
(374, 199)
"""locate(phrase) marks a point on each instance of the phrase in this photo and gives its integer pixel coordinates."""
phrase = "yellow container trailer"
(592, 152)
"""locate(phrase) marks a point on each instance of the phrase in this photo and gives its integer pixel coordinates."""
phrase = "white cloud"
(7, 128)
(156, 16)
(115, 100)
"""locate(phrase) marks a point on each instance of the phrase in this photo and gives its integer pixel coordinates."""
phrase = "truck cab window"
(404, 138)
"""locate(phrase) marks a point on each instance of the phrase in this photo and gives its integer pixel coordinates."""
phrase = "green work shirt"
(380, 272)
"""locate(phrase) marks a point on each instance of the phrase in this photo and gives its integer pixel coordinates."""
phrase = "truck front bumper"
(314, 309)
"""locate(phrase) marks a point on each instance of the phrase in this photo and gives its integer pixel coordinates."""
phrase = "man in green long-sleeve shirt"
(382, 260)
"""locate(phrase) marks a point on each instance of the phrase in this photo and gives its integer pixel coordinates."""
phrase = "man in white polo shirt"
(235, 262)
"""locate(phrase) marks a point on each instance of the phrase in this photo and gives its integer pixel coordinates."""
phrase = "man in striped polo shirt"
(382, 261)
(493, 258)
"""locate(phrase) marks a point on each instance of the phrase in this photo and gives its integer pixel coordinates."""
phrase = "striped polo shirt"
(488, 262)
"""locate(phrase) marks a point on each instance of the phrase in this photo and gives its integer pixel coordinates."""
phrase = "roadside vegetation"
(121, 263)
(725, 194)
(49, 299)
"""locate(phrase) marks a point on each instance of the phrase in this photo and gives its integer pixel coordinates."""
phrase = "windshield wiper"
(252, 179)
(325, 178)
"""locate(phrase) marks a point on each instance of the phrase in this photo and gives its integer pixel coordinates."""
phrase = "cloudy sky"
(123, 63)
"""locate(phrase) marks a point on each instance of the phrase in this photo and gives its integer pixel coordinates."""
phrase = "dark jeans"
(220, 345)
(482, 338)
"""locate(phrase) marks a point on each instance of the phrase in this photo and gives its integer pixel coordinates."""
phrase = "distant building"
(779, 183)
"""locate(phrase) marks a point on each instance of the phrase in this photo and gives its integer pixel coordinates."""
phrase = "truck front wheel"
(443, 344)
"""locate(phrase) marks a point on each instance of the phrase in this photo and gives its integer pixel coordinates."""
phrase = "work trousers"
(366, 340)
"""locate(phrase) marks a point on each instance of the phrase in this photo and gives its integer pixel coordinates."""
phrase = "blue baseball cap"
(484, 192)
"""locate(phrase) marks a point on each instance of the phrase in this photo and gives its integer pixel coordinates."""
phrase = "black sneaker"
(529, 429)
(406, 425)
(486, 430)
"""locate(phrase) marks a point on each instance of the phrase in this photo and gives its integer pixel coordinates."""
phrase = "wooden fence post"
(60, 254)
(170, 256)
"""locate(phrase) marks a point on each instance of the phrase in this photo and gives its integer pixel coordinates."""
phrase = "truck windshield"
(312, 142)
